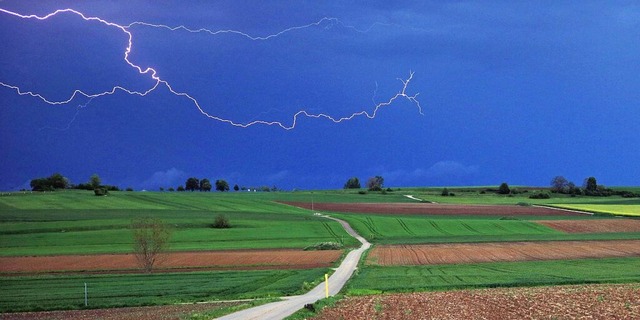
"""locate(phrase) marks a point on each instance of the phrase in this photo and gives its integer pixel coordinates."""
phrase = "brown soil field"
(500, 251)
(559, 302)
(173, 312)
(436, 209)
(593, 226)
(177, 261)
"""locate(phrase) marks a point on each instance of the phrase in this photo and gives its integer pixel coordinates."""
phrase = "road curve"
(281, 309)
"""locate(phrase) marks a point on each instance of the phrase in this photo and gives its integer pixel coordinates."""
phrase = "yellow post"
(326, 285)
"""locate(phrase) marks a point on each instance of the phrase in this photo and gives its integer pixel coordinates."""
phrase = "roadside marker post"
(85, 295)
(326, 285)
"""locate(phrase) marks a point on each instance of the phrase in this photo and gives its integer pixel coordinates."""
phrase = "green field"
(105, 291)
(374, 279)
(413, 229)
(78, 222)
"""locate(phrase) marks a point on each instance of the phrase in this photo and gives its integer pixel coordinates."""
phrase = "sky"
(499, 91)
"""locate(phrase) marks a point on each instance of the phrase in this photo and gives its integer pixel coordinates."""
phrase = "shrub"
(324, 246)
(504, 188)
(100, 192)
(445, 192)
(362, 192)
(221, 222)
(541, 195)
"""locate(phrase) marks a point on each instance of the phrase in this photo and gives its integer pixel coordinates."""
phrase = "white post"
(85, 295)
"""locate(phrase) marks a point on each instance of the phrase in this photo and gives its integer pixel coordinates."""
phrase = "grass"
(413, 229)
(106, 291)
(632, 210)
(76, 222)
(68, 223)
(376, 279)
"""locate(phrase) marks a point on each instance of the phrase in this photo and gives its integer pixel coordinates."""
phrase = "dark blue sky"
(510, 91)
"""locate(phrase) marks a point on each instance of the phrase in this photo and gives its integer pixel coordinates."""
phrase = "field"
(49, 292)
(405, 255)
(174, 261)
(53, 243)
(76, 237)
(72, 223)
(560, 302)
(618, 209)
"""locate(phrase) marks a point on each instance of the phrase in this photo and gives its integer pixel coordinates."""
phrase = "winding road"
(281, 309)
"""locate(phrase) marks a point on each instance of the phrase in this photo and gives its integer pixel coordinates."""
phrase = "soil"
(178, 261)
(500, 251)
(131, 313)
(559, 302)
(593, 226)
(436, 209)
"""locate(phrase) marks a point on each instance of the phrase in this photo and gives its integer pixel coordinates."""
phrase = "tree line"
(58, 181)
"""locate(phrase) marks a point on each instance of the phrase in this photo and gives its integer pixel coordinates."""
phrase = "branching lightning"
(159, 82)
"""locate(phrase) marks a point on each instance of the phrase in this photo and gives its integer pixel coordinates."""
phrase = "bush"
(324, 246)
(221, 222)
(504, 188)
(445, 192)
(541, 195)
(100, 192)
(362, 192)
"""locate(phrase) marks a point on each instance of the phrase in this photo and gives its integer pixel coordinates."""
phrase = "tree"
(205, 185)
(221, 222)
(375, 183)
(150, 239)
(94, 181)
(192, 184)
(180, 189)
(504, 188)
(445, 192)
(55, 181)
(559, 184)
(58, 181)
(236, 188)
(352, 183)
(222, 185)
(590, 184)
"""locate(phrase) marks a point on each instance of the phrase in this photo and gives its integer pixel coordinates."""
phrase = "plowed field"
(435, 209)
(500, 251)
(236, 260)
(560, 302)
(593, 226)
(172, 312)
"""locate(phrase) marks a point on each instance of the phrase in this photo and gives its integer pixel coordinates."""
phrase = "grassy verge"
(375, 279)
(107, 291)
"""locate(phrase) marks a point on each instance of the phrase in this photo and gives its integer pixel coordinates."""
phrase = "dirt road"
(281, 309)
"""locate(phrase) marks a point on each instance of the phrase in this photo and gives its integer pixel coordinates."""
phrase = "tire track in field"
(438, 228)
(405, 227)
(335, 235)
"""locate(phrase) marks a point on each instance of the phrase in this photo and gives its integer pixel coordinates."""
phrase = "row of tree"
(373, 184)
(195, 184)
(58, 181)
(590, 187)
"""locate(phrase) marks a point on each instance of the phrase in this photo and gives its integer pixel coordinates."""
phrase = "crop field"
(105, 291)
(616, 209)
(174, 261)
(593, 226)
(558, 302)
(436, 209)
(378, 279)
(56, 242)
(52, 224)
(78, 232)
(399, 255)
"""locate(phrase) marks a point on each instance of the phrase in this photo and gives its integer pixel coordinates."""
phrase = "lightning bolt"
(159, 82)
